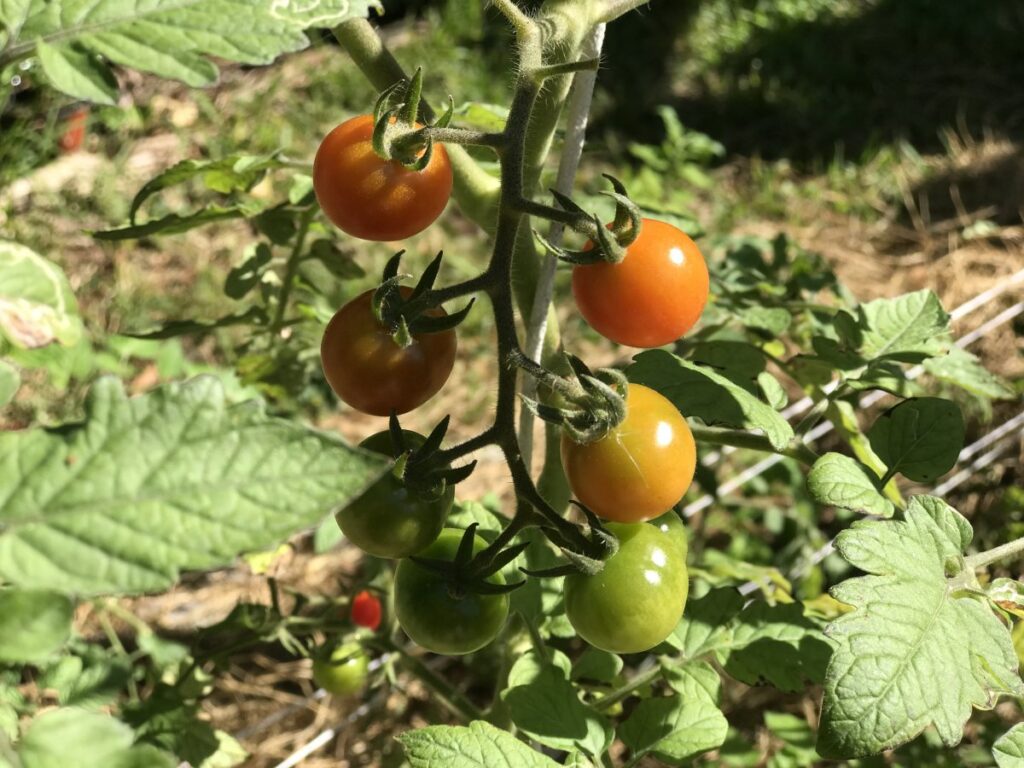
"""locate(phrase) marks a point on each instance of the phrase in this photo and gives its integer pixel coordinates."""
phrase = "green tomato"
(344, 672)
(637, 599)
(672, 524)
(436, 614)
(389, 519)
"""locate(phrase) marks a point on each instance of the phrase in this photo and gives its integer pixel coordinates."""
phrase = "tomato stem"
(797, 449)
(980, 560)
(290, 270)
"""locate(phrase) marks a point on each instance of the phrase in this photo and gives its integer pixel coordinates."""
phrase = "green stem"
(290, 270)
(1011, 549)
(614, 697)
(739, 439)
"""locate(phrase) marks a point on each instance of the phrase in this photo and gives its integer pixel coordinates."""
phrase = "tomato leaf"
(701, 392)
(169, 38)
(1008, 749)
(10, 381)
(676, 728)
(96, 741)
(915, 651)
(843, 482)
(480, 745)
(921, 438)
(177, 478)
(544, 705)
(37, 306)
(962, 369)
(909, 328)
(33, 624)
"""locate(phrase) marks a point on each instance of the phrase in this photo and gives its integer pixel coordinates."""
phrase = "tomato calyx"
(420, 467)
(466, 574)
(404, 316)
(607, 243)
(397, 134)
(602, 544)
(592, 402)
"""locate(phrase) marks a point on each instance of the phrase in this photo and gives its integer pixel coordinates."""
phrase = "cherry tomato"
(636, 601)
(366, 610)
(433, 612)
(641, 468)
(343, 673)
(650, 298)
(389, 519)
(373, 198)
(368, 370)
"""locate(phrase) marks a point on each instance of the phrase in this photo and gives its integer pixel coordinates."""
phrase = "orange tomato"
(641, 468)
(650, 298)
(373, 198)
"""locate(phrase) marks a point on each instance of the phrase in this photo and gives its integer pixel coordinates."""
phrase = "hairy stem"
(291, 267)
(1014, 548)
(739, 439)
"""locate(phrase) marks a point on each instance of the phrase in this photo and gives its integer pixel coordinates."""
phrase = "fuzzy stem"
(981, 559)
(739, 439)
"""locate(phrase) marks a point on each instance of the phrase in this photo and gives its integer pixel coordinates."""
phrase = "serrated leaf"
(37, 306)
(777, 644)
(774, 320)
(10, 381)
(13, 14)
(177, 478)
(962, 369)
(245, 276)
(702, 393)
(843, 482)
(908, 328)
(772, 390)
(675, 728)
(75, 71)
(704, 626)
(480, 745)
(683, 677)
(252, 316)
(1008, 749)
(33, 624)
(544, 705)
(915, 651)
(920, 438)
(173, 38)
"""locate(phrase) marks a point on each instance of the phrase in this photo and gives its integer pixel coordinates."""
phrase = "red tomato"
(366, 611)
(650, 298)
(373, 198)
(368, 370)
(641, 467)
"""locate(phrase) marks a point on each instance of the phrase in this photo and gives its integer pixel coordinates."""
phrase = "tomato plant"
(638, 597)
(373, 198)
(371, 372)
(641, 467)
(342, 671)
(392, 519)
(439, 614)
(650, 298)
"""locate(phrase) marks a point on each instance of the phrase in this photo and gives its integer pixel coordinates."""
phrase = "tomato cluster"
(632, 475)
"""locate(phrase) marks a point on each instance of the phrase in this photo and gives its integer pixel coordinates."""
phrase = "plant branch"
(796, 450)
(452, 698)
(614, 697)
(1014, 548)
(291, 267)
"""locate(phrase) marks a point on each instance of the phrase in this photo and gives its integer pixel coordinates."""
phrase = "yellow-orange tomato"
(640, 468)
(373, 198)
(650, 298)
(372, 373)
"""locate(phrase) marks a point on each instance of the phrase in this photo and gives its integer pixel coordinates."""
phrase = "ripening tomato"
(641, 468)
(343, 673)
(373, 198)
(366, 610)
(368, 370)
(637, 599)
(389, 519)
(650, 298)
(434, 615)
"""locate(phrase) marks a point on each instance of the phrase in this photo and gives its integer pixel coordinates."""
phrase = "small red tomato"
(650, 298)
(368, 370)
(373, 198)
(366, 610)
(74, 129)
